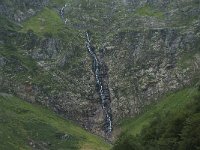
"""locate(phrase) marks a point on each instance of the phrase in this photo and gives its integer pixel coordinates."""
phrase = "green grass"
(174, 102)
(177, 128)
(8, 25)
(11, 52)
(148, 11)
(22, 124)
(46, 21)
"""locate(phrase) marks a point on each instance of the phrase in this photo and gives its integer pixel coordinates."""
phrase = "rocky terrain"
(148, 48)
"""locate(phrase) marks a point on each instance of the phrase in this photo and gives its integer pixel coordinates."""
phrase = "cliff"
(147, 49)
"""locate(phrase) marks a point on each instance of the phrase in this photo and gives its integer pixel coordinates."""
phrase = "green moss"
(23, 124)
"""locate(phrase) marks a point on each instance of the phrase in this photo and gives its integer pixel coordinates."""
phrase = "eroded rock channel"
(101, 77)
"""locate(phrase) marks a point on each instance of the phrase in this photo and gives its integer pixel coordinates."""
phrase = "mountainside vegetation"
(171, 124)
(143, 56)
(28, 126)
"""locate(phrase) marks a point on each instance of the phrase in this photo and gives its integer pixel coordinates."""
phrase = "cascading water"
(103, 89)
(102, 86)
(62, 12)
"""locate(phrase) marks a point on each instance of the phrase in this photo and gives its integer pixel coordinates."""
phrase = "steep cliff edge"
(150, 48)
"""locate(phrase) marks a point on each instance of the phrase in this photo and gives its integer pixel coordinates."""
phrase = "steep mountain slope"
(27, 126)
(174, 102)
(146, 49)
(170, 124)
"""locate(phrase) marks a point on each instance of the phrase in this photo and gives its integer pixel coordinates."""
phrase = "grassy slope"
(48, 22)
(174, 127)
(23, 123)
(148, 11)
(171, 103)
(45, 21)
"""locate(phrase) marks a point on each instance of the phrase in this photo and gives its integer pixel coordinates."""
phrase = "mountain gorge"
(135, 52)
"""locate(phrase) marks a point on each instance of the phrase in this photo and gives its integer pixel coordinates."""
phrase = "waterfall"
(62, 11)
(102, 86)
(103, 89)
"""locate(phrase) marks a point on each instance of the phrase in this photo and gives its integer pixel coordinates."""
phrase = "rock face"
(101, 76)
(151, 47)
(152, 67)
(19, 10)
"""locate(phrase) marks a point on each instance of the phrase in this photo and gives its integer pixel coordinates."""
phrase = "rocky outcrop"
(19, 10)
(153, 66)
